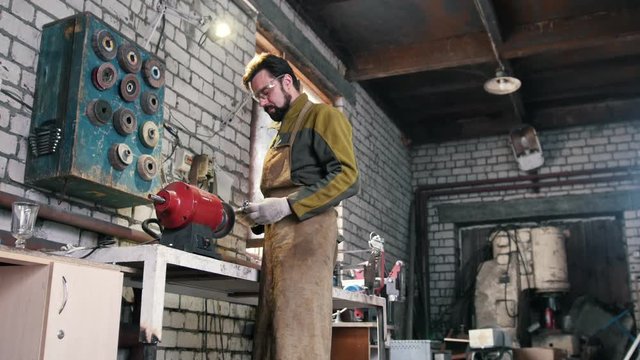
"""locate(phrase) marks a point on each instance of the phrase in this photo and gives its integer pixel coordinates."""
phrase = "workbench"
(159, 269)
(48, 306)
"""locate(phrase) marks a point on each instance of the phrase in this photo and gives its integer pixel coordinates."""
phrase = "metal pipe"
(157, 199)
(532, 185)
(408, 328)
(530, 177)
(422, 263)
(80, 221)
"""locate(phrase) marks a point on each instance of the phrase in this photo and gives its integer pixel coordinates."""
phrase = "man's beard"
(279, 112)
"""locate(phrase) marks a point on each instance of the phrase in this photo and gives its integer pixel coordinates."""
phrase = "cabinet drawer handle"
(65, 295)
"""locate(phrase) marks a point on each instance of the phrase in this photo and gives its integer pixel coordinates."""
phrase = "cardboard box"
(538, 354)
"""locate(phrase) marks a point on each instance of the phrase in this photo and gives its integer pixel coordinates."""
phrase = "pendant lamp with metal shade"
(502, 84)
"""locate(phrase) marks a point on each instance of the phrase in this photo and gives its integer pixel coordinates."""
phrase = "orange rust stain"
(71, 29)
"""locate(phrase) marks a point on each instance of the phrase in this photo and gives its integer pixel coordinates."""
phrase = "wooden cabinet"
(354, 341)
(56, 310)
(350, 343)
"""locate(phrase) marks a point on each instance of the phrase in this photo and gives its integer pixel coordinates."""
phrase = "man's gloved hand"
(268, 211)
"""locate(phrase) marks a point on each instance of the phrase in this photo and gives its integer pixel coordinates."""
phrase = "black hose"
(152, 233)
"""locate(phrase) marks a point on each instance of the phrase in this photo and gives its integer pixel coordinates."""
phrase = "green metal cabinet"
(96, 127)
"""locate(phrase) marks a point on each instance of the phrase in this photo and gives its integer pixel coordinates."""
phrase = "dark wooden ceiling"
(425, 62)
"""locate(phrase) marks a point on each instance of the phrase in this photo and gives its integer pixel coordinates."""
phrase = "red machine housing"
(186, 204)
(190, 219)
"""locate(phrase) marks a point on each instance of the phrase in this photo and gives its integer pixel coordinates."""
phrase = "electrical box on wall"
(96, 126)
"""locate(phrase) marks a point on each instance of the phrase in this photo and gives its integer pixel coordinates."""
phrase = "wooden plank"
(463, 128)
(595, 113)
(601, 203)
(12, 255)
(279, 29)
(474, 48)
(425, 56)
(585, 79)
(436, 129)
(573, 33)
(597, 261)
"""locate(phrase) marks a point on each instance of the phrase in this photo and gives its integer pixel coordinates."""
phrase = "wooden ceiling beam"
(475, 48)
(622, 47)
(550, 118)
(433, 54)
(587, 80)
(594, 113)
(469, 128)
(575, 33)
(435, 89)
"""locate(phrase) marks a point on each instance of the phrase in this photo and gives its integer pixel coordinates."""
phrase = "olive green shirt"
(322, 159)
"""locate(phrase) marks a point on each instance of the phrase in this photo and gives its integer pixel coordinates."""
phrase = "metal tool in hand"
(243, 208)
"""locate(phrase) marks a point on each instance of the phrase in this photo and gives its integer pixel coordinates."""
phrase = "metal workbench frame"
(157, 269)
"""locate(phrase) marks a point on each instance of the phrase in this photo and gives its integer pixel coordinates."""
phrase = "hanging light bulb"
(218, 30)
(502, 84)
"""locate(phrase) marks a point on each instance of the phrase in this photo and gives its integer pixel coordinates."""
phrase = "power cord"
(17, 98)
(171, 130)
(511, 232)
(161, 31)
(101, 244)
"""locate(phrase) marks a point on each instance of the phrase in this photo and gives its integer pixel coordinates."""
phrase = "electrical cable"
(514, 228)
(173, 133)
(173, 151)
(494, 48)
(17, 98)
(202, 39)
(527, 272)
(205, 339)
(465, 285)
(222, 349)
(507, 230)
(506, 306)
(161, 31)
(184, 129)
(101, 245)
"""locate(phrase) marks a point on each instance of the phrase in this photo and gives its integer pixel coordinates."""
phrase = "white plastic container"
(410, 350)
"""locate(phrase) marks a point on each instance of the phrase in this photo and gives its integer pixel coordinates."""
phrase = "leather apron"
(294, 311)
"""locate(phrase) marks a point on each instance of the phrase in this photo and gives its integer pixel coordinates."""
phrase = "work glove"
(268, 211)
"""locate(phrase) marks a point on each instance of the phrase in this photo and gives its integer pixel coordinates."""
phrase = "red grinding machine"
(190, 219)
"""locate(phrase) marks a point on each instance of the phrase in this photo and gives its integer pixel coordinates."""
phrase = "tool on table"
(243, 218)
(190, 219)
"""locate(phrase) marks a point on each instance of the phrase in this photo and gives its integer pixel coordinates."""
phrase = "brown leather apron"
(294, 310)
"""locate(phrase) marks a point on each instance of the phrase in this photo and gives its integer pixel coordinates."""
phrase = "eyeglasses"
(263, 93)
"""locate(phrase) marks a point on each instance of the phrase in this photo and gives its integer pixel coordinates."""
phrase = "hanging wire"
(17, 98)
(494, 48)
(162, 30)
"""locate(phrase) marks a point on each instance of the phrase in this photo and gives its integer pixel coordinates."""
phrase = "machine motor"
(190, 219)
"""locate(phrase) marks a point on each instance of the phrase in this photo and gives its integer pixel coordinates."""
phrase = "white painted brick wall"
(202, 87)
(578, 148)
(186, 326)
(632, 234)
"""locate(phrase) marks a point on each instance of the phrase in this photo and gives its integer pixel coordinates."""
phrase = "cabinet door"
(23, 298)
(84, 313)
(350, 343)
